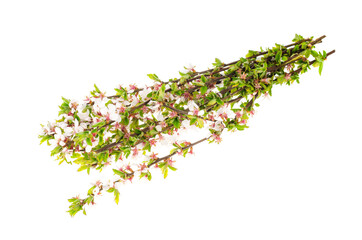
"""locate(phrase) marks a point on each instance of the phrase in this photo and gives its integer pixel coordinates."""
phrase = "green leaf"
(192, 119)
(219, 101)
(97, 89)
(84, 167)
(154, 77)
(278, 56)
(89, 141)
(56, 150)
(99, 124)
(251, 53)
(90, 191)
(203, 90)
(119, 173)
(172, 168)
(217, 63)
(297, 38)
(176, 122)
(161, 92)
(320, 68)
(116, 196)
(200, 122)
(164, 170)
(212, 102)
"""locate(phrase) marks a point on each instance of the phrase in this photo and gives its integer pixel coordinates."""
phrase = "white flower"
(158, 128)
(192, 106)
(218, 126)
(144, 93)
(84, 116)
(59, 137)
(159, 116)
(79, 127)
(188, 68)
(185, 123)
(88, 148)
(68, 131)
(134, 102)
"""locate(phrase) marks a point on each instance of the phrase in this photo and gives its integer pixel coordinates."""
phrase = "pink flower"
(241, 75)
(239, 114)
(223, 115)
(153, 142)
(216, 137)
(173, 114)
(135, 151)
(289, 67)
(187, 95)
(287, 76)
(153, 156)
(266, 80)
(142, 166)
(170, 162)
(132, 87)
(257, 84)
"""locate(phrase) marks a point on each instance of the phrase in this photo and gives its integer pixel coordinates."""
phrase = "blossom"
(241, 75)
(173, 114)
(134, 151)
(266, 80)
(59, 137)
(82, 112)
(144, 93)
(257, 84)
(216, 138)
(287, 76)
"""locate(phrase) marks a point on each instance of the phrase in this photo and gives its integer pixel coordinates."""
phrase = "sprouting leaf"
(320, 68)
(154, 77)
(96, 88)
(217, 63)
(172, 168)
(119, 173)
(116, 196)
(200, 122)
(84, 167)
(297, 38)
(278, 56)
(164, 170)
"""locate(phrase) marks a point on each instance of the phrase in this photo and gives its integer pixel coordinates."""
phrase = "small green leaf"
(172, 168)
(154, 77)
(164, 170)
(203, 90)
(176, 122)
(212, 102)
(320, 68)
(116, 196)
(84, 167)
(97, 89)
(200, 122)
(278, 56)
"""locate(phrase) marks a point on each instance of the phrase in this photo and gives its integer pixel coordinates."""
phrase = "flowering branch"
(125, 129)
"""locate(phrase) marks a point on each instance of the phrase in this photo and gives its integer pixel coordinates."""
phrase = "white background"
(294, 174)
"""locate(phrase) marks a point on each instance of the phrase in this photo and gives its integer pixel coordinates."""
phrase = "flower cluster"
(125, 129)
